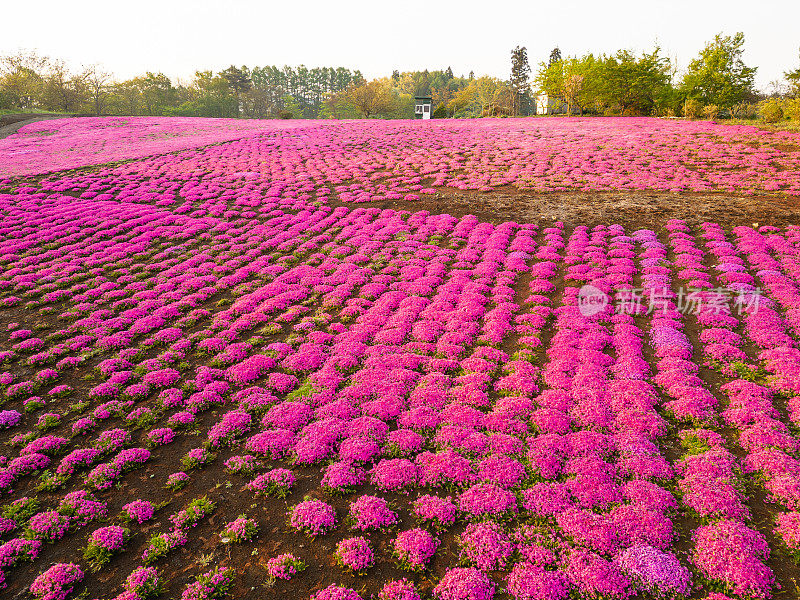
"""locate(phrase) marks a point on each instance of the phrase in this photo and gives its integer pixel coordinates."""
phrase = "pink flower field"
(60, 144)
(250, 360)
(377, 157)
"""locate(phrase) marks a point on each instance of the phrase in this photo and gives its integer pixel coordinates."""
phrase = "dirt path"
(12, 123)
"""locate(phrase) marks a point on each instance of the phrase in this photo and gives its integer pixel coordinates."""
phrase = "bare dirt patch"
(632, 209)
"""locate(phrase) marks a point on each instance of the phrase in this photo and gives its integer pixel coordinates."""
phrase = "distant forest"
(716, 83)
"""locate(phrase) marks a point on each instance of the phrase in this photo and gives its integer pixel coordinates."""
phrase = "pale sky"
(178, 37)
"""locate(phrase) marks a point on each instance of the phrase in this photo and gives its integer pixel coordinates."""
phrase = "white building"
(423, 107)
(545, 105)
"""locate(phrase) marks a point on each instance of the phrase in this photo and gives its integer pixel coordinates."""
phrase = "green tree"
(494, 97)
(308, 88)
(22, 88)
(462, 105)
(440, 95)
(590, 98)
(793, 77)
(64, 91)
(125, 98)
(635, 84)
(291, 108)
(337, 106)
(99, 83)
(581, 83)
(550, 79)
(239, 82)
(422, 83)
(156, 93)
(208, 96)
(718, 75)
(520, 74)
(22, 78)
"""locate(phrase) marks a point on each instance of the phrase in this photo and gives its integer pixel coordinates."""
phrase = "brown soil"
(632, 209)
(787, 147)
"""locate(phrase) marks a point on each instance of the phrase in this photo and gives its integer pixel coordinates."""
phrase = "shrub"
(335, 592)
(20, 510)
(400, 589)
(355, 554)
(371, 512)
(744, 110)
(139, 511)
(143, 582)
(57, 582)
(213, 584)
(313, 517)
(196, 510)
(692, 108)
(438, 512)
(103, 544)
(464, 584)
(284, 566)
(531, 582)
(711, 111)
(771, 110)
(486, 546)
(241, 465)
(160, 544)
(47, 526)
(276, 482)
(240, 530)
(414, 548)
(176, 481)
(791, 109)
(197, 458)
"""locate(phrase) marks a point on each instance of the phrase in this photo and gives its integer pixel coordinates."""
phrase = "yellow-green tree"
(209, 95)
(21, 78)
(338, 106)
(98, 82)
(156, 93)
(64, 91)
(124, 98)
(550, 78)
(463, 100)
(372, 98)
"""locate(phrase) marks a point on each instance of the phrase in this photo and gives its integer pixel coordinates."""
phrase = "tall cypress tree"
(520, 73)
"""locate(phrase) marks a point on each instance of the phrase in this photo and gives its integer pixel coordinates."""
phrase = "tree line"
(29, 82)
(716, 83)
(625, 83)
